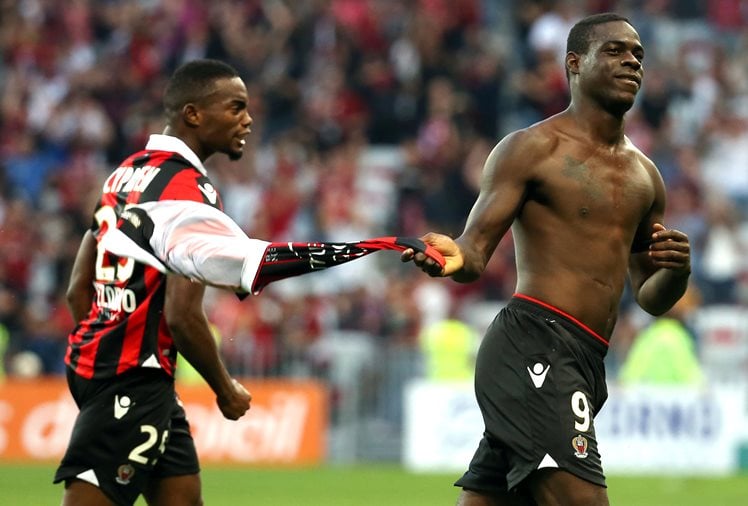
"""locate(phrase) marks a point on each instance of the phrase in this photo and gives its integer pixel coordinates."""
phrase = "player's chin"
(235, 154)
(622, 103)
(630, 98)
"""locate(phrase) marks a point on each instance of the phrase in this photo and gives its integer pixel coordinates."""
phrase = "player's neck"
(189, 140)
(597, 123)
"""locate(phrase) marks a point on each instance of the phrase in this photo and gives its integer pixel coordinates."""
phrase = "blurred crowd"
(371, 117)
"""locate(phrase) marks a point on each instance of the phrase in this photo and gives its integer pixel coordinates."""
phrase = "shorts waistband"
(544, 309)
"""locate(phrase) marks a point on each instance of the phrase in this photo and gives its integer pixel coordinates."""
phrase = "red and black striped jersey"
(159, 213)
(125, 327)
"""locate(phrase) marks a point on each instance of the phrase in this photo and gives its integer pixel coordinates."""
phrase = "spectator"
(667, 336)
(430, 83)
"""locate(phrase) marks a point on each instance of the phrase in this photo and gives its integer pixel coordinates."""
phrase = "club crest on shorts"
(125, 472)
(579, 443)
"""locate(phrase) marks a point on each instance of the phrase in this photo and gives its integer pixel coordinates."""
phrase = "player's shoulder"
(163, 163)
(178, 179)
(532, 142)
(169, 161)
(635, 151)
(632, 151)
(173, 168)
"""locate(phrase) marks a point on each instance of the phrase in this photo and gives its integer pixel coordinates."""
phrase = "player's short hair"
(581, 34)
(193, 81)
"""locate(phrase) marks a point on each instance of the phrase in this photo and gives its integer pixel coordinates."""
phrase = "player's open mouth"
(242, 138)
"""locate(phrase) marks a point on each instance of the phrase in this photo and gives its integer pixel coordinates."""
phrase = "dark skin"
(217, 123)
(586, 210)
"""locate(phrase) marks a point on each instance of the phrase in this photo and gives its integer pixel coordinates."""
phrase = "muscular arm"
(503, 186)
(502, 192)
(660, 266)
(80, 290)
(183, 310)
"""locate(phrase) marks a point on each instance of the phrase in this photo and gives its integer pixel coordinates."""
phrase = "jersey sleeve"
(189, 238)
(202, 243)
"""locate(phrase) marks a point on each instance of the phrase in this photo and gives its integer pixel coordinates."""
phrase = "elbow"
(71, 299)
(653, 306)
(465, 276)
(177, 325)
(655, 311)
(78, 301)
(177, 322)
(182, 325)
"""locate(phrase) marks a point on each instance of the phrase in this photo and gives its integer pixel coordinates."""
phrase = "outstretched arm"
(504, 182)
(187, 238)
(203, 244)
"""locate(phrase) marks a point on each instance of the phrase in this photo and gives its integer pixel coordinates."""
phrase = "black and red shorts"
(130, 429)
(539, 382)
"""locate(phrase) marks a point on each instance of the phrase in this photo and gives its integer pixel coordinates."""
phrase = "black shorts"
(539, 381)
(130, 430)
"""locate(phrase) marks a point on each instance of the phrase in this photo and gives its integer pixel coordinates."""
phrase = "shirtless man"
(586, 209)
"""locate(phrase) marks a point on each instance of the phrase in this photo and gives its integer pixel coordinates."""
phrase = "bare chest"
(614, 189)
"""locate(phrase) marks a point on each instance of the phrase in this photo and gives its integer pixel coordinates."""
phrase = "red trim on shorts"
(565, 315)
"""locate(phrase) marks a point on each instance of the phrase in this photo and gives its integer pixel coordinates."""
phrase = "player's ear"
(572, 62)
(191, 115)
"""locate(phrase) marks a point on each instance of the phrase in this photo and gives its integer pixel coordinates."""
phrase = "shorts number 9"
(581, 409)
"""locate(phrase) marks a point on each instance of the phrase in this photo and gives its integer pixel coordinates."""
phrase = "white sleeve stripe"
(252, 264)
(200, 242)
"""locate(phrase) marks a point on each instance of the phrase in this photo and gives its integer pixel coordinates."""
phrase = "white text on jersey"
(115, 298)
(130, 179)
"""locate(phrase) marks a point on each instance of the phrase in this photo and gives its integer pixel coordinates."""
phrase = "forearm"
(196, 344)
(662, 290)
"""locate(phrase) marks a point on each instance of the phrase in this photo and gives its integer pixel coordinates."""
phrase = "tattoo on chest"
(579, 171)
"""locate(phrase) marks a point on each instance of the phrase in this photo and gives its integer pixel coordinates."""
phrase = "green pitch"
(370, 485)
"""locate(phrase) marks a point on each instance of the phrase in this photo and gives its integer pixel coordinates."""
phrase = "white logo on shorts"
(121, 406)
(537, 374)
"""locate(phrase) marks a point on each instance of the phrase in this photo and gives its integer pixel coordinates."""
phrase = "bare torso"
(574, 230)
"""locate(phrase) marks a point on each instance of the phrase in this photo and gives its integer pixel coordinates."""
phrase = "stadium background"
(371, 117)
